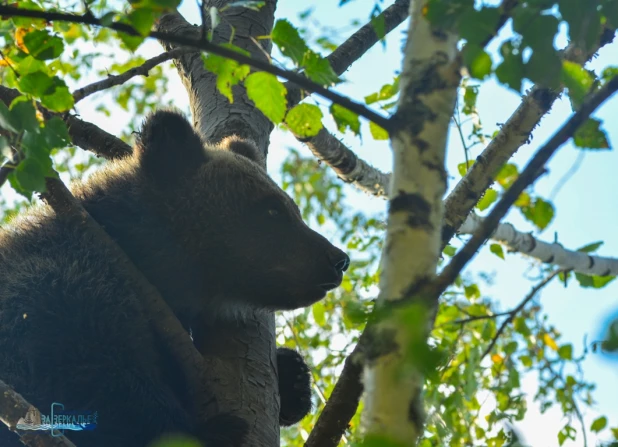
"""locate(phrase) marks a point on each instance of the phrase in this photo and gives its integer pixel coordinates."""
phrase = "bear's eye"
(273, 212)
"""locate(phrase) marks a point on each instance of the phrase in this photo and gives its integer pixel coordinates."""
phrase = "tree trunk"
(241, 355)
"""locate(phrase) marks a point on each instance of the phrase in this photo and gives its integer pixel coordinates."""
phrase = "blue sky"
(586, 205)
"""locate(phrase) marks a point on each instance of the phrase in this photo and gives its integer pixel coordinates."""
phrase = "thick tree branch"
(512, 135)
(554, 254)
(84, 134)
(113, 81)
(13, 407)
(534, 169)
(358, 108)
(513, 313)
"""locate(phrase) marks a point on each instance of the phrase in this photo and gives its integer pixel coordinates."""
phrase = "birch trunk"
(429, 80)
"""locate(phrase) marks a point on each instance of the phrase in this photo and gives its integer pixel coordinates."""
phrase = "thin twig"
(304, 82)
(112, 80)
(513, 313)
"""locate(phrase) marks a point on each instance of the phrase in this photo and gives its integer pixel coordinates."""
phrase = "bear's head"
(244, 232)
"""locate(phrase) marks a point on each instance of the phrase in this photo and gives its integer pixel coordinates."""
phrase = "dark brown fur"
(207, 227)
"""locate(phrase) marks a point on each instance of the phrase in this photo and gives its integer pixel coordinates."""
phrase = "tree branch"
(512, 135)
(358, 108)
(141, 70)
(349, 168)
(554, 253)
(13, 407)
(342, 403)
(533, 170)
(84, 134)
(513, 313)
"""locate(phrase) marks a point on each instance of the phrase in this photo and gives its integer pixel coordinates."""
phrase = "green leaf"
(56, 133)
(319, 313)
(507, 175)
(131, 42)
(590, 135)
(584, 21)
(30, 65)
(268, 94)
(470, 96)
(345, 119)
(566, 352)
(477, 61)
(544, 68)
(176, 441)
(304, 120)
(37, 84)
(288, 39)
(540, 213)
(598, 424)
(377, 132)
(30, 175)
(476, 26)
(449, 250)
(590, 248)
(578, 80)
(472, 291)
(593, 281)
(5, 148)
(538, 31)
(497, 250)
(7, 121)
(488, 198)
(512, 70)
(318, 69)
(228, 71)
(462, 168)
(61, 99)
(24, 115)
(42, 45)
(142, 20)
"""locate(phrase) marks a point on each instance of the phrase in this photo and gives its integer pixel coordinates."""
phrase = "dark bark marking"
(417, 208)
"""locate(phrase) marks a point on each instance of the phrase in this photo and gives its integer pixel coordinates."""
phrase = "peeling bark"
(554, 253)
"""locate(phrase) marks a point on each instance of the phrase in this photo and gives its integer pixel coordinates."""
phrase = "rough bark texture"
(213, 115)
(429, 80)
(243, 360)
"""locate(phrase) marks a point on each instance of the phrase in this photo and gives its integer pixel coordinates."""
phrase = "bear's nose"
(340, 260)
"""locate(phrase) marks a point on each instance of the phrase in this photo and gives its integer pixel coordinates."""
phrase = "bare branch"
(533, 170)
(84, 134)
(205, 45)
(513, 313)
(512, 135)
(554, 253)
(13, 407)
(342, 403)
(351, 169)
(141, 70)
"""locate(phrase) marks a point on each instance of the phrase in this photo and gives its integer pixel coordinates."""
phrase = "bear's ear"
(242, 147)
(167, 146)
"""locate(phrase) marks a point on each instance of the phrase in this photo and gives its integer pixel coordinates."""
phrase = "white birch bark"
(429, 80)
(554, 253)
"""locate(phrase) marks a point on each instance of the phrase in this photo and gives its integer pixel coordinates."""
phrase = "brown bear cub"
(208, 228)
